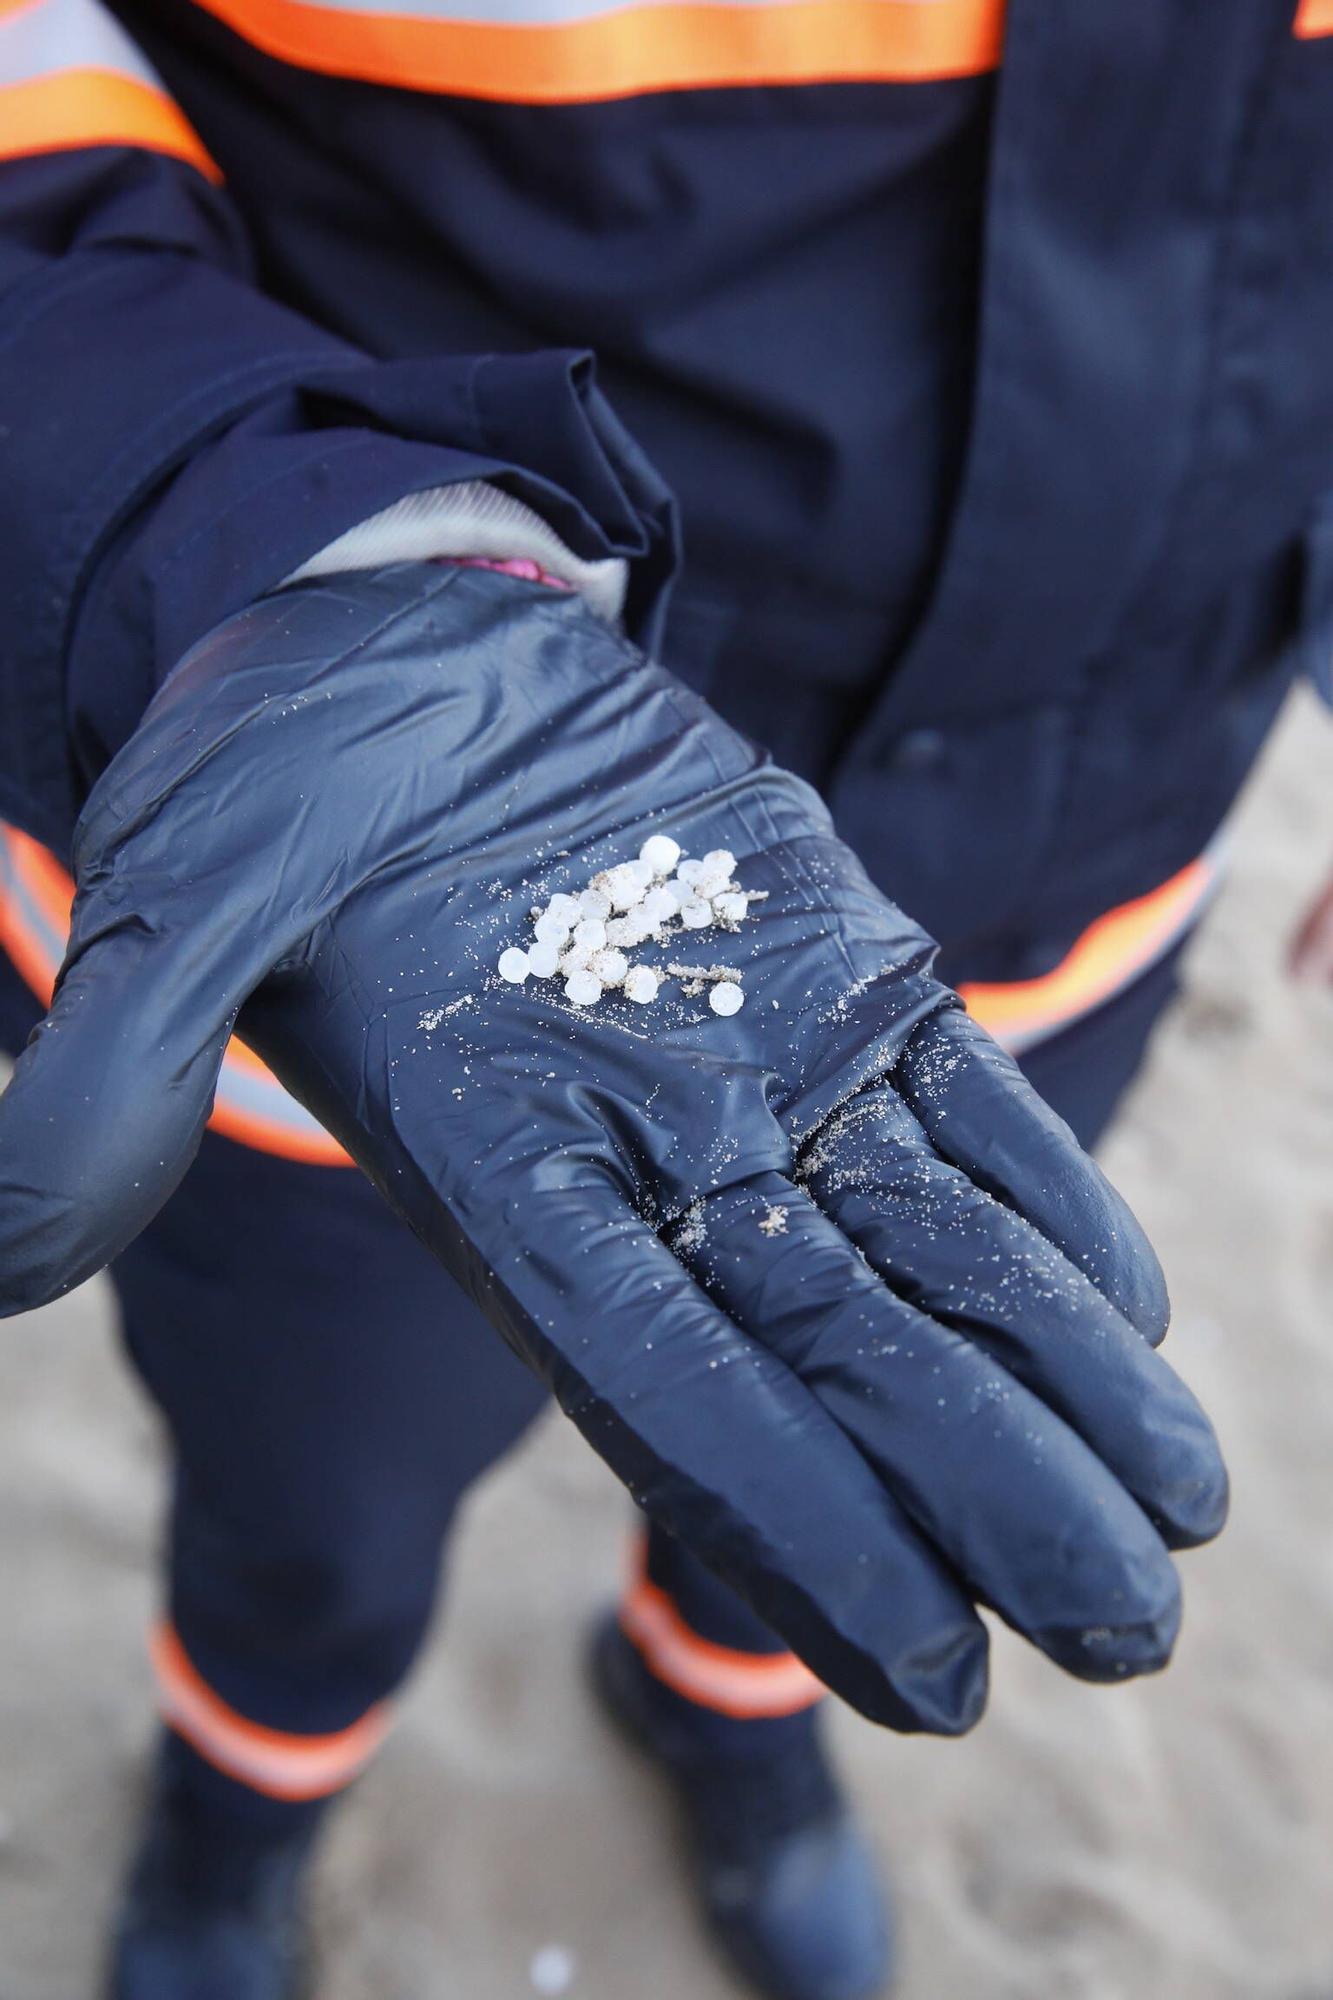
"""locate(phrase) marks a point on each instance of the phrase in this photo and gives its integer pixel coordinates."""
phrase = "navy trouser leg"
(331, 1395)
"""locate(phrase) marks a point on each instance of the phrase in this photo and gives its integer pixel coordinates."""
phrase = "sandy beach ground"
(1168, 1841)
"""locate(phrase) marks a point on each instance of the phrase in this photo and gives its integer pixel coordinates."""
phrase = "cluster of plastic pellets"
(586, 940)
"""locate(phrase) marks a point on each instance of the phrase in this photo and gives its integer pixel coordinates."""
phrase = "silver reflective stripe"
(46, 941)
(540, 13)
(54, 35)
(263, 1098)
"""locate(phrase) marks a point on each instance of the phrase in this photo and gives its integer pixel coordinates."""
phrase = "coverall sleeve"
(173, 442)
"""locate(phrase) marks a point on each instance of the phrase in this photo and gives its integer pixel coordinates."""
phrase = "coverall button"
(919, 750)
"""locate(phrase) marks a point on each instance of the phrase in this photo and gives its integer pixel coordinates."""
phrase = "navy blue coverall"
(988, 354)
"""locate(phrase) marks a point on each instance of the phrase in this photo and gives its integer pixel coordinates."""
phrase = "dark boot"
(787, 1882)
(212, 1907)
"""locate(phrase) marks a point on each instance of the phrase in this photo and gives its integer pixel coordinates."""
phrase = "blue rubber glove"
(926, 1383)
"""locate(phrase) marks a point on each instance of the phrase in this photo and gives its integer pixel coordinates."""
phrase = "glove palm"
(922, 1384)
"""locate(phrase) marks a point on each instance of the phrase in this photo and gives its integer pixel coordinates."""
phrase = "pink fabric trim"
(520, 566)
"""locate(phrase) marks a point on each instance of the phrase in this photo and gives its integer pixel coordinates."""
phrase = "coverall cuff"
(467, 521)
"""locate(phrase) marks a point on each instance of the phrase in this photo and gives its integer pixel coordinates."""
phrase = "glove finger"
(954, 1252)
(1031, 1519)
(106, 1106)
(979, 1111)
(722, 1445)
(536, 1217)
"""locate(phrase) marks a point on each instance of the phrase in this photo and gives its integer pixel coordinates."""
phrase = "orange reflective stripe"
(94, 107)
(71, 76)
(1314, 18)
(35, 900)
(1111, 953)
(718, 1677)
(250, 1107)
(274, 1130)
(273, 1761)
(618, 51)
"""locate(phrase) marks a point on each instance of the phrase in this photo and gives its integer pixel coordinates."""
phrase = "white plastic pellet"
(660, 852)
(610, 967)
(621, 886)
(659, 906)
(543, 960)
(584, 989)
(587, 940)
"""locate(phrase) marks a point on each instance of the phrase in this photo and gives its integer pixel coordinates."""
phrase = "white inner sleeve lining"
(470, 519)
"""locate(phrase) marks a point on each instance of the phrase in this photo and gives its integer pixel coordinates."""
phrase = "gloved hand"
(925, 1383)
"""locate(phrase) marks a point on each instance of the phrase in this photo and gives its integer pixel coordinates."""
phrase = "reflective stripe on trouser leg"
(746, 1686)
(330, 1394)
(277, 1762)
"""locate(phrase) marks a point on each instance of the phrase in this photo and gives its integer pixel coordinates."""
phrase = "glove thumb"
(108, 1102)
